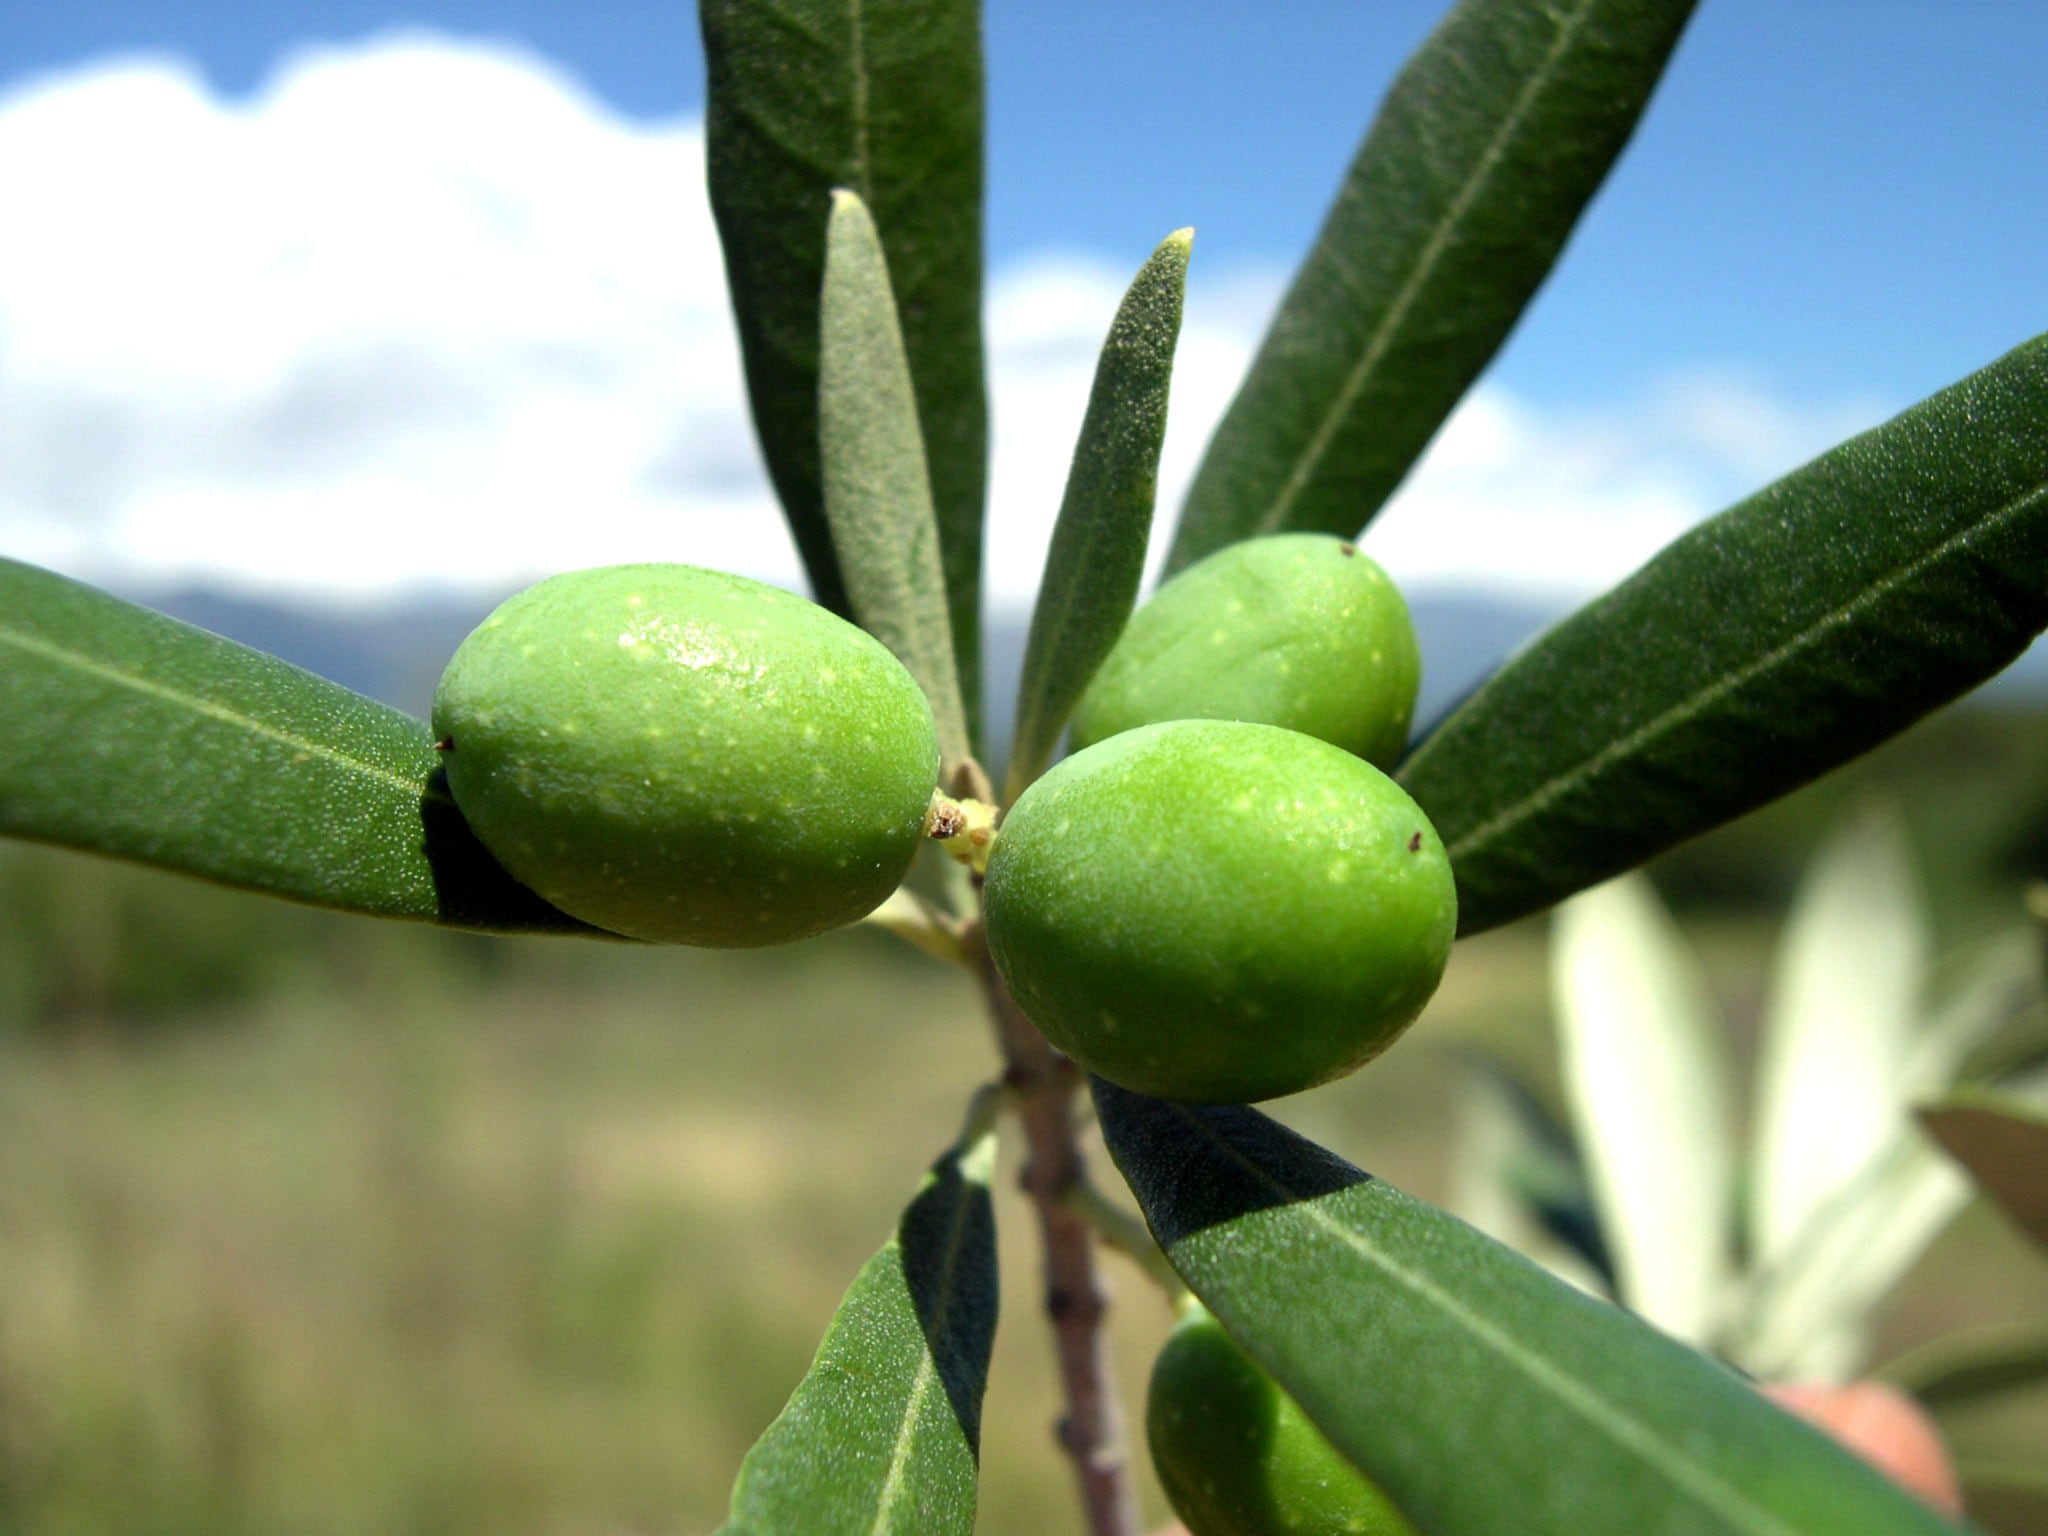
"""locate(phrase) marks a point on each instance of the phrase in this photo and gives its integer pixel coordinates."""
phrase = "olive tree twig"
(1043, 1086)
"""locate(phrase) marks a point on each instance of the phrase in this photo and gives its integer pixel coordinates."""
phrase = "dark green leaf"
(2003, 1142)
(884, 97)
(877, 497)
(1960, 1369)
(1799, 628)
(128, 733)
(1489, 145)
(883, 1434)
(1098, 545)
(1481, 1393)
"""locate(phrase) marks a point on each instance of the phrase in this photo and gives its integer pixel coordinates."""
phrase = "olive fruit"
(1215, 911)
(685, 756)
(1297, 629)
(1238, 1457)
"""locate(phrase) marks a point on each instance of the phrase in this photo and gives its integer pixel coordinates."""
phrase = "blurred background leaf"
(2003, 1141)
(1973, 1364)
(1856, 1023)
(1838, 1032)
(2007, 1500)
(1646, 1073)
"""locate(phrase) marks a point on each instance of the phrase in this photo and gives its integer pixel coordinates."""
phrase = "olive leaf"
(1423, 1349)
(2007, 1500)
(1959, 1369)
(1842, 1014)
(1804, 1314)
(885, 98)
(128, 733)
(1098, 544)
(1646, 1073)
(1791, 633)
(877, 495)
(884, 1432)
(1488, 147)
(2002, 1139)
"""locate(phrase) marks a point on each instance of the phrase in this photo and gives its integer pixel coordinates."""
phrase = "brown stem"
(1043, 1085)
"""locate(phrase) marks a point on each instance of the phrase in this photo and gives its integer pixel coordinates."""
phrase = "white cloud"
(424, 312)
(420, 311)
(1564, 502)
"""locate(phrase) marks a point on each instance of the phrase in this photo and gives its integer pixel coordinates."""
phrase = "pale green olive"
(1217, 912)
(686, 756)
(1297, 629)
(1238, 1457)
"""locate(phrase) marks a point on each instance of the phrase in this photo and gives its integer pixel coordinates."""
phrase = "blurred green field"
(317, 1225)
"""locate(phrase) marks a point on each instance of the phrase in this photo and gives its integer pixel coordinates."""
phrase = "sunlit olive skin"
(1238, 1457)
(686, 756)
(1218, 912)
(1298, 629)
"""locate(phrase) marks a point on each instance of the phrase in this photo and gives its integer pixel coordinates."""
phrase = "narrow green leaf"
(1839, 1026)
(1486, 151)
(2003, 1141)
(1098, 544)
(1991, 1017)
(1481, 1393)
(1960, 1369)
(877, 496)
(882, 1436)
(1794, 631)
(128, 733)
(1646, 1073)
(883, 97)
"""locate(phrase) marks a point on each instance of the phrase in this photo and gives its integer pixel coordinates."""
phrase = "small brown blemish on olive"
(1415, 843)
(1347, 549)
(445, 744)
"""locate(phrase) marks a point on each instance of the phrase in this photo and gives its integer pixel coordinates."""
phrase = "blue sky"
(1832, 209)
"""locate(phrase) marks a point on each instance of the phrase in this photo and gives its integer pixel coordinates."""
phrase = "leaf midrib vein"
(1396, 314)
(857, 64)
(927, 1371)
(194, 703)
(1567, 1390)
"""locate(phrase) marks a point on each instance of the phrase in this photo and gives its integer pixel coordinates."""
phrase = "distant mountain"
(396, 653)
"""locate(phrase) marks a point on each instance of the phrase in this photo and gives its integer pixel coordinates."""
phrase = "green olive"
(1217, 912)
(1299, 629)
(690, 757)
(1238, 1457)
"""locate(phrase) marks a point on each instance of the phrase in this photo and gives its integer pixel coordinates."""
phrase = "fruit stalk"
(1042, 1085)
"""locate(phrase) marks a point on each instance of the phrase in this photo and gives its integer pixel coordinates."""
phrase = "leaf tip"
(848, 209)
